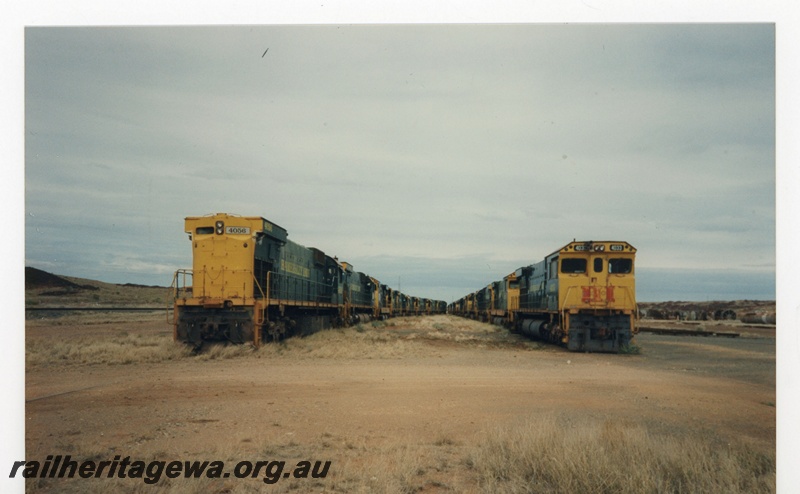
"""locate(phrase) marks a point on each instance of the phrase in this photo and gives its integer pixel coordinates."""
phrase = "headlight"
(220, 226)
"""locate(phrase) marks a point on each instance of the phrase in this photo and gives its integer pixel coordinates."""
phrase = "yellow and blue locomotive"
(582, 296)
(250, 283)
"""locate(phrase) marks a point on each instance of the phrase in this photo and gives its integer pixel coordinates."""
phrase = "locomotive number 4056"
(238, 230)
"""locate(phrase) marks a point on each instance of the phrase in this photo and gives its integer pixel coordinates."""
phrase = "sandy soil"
(421, 408)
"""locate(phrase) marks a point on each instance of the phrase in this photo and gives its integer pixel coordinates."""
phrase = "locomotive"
(250, 284)
(582, 296)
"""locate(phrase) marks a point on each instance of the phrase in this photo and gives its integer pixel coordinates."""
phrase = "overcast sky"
(418, 153)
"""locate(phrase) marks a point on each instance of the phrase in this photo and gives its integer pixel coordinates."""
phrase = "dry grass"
(395, 338)
(552, 455)
(545, 455)
(392, 339)
(363, 341)
(50, 319)
(356, 467)
(122, 348)
(455, 329)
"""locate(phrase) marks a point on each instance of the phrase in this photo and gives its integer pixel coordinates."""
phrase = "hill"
(43, 289)
(36, 278)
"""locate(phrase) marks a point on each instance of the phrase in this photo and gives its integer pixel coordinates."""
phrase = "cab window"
(598, 265)
(620, 266)
(572, 266)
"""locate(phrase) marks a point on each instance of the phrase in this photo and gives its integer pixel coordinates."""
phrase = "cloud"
(437, 142)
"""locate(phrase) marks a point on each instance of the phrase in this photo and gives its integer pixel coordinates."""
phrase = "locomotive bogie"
(196, 325)
(604, 332)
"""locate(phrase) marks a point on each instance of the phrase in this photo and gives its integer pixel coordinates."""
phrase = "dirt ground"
(400, 413)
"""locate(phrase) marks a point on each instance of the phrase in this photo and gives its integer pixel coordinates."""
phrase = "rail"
(689, 332)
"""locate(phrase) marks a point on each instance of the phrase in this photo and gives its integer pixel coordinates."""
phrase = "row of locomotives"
(250, 284)
(582, 296)
(384, 302)
(400, 304)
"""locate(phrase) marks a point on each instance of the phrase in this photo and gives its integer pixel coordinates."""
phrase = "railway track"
(689, 332)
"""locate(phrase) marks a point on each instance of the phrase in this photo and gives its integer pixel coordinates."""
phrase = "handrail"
(178, 287)
(258, 312)
(566, 297)
(257, 285)
(632, 294)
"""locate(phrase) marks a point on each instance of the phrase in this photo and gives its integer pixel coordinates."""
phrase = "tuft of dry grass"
(123, 348)
(358, 342)
(557, 455)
